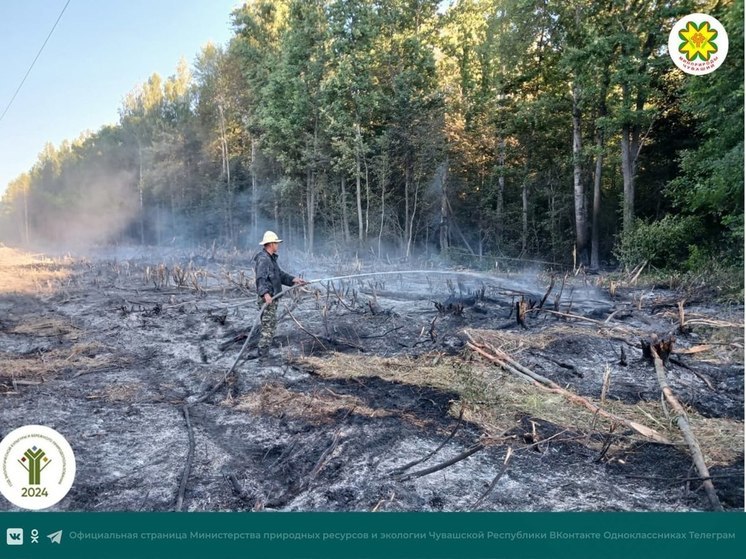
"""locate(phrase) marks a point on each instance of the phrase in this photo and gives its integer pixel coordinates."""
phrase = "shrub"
(664, 243)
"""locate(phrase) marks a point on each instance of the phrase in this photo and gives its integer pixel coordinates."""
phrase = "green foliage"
(711, 183)
(664, 243)
(450, 123)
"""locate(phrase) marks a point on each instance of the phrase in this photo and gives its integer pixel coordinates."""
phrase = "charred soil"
(373, 398)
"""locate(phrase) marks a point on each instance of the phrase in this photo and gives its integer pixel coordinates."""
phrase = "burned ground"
(372, 374)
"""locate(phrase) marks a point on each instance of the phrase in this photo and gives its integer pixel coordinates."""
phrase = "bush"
(666, 243)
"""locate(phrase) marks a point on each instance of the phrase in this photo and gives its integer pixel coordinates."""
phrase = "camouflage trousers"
(268, 323)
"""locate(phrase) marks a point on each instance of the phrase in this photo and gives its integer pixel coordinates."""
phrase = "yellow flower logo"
(698, 41)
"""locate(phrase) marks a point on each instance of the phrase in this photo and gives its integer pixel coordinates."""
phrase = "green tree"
(140, 117)
(711, 182)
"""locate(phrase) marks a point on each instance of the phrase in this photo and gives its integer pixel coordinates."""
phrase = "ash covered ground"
(371, 375)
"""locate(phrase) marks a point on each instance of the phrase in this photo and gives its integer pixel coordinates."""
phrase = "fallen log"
(507, 363)
(691, 440)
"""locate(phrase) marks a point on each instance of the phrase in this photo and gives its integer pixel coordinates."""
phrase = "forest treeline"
(475, 128)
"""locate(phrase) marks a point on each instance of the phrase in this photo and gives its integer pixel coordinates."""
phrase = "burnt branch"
(324, 458)
(549, 290)
(188, 465)
(306, 331)
(691, 369)
(506, 461)
(402, 469)
(341, 300)
(468, 452)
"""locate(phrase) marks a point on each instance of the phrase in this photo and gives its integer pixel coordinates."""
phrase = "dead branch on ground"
(692, 370)
(506, 461)
(324, 458)
(188, 465)
(314, 336)
(468, 452)
(508, 364)
(402, 469)
(683, 423)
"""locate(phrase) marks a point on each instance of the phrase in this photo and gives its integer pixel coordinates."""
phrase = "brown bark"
(691, 440)
(524, 233)
(520, 309)
(500, 192)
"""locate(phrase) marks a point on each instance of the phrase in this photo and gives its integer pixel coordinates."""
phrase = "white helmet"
(270, 237)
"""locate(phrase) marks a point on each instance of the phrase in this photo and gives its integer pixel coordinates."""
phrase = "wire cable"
(34, 62)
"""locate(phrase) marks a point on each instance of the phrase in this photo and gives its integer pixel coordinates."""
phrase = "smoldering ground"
(373, 385)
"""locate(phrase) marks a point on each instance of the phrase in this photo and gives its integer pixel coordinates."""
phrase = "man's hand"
(299, 281)
(267, 298)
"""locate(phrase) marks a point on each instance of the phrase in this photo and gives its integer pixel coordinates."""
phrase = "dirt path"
(108, 351)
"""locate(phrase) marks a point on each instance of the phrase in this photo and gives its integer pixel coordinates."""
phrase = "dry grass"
(496, 401)
(21, 272)
(45, 327)
(721, 440)
(433, 371)
(514, 342)
(319, 407)
(83, 357)
(117, 393)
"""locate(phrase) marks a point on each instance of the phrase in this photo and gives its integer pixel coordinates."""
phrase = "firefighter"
(269, 281)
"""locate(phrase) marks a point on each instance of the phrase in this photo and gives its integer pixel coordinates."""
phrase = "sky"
(99, 51)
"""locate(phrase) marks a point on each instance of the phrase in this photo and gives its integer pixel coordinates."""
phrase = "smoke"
(96, 211)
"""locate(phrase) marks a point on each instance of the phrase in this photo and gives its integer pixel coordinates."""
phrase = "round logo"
(37, 467)
(698, 44)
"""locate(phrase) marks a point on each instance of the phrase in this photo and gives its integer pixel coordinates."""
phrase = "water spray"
(325, 280)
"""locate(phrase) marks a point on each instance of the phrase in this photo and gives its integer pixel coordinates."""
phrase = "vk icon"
(14, 536)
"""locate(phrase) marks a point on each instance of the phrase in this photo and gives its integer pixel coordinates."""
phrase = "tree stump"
(520, 308)
(663, 346)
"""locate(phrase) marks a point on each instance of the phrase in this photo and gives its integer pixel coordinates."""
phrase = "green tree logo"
(34, 461)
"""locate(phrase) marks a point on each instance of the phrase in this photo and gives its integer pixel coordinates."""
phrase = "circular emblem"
(37, 467)
(698, 44)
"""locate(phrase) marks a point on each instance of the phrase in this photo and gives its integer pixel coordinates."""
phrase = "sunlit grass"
(26, 273)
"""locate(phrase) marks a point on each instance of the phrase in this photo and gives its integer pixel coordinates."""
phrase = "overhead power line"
(34, 61)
